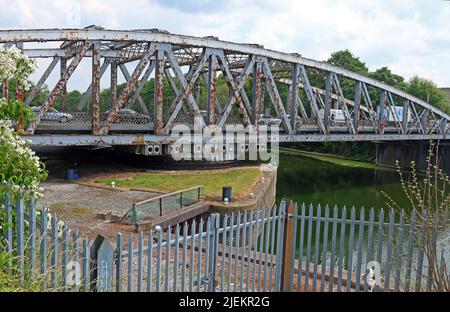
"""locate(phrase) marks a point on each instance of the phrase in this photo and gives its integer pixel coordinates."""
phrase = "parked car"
(268, 121)
(53, 115)
(129, 115)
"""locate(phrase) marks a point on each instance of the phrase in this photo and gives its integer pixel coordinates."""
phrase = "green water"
(307, 180)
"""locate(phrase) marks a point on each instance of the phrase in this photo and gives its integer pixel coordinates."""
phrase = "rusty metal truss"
(307, 97)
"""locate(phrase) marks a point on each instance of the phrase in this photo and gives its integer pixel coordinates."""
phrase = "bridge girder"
(304, 109)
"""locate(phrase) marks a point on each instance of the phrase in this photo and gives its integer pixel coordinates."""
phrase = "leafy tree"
(427, 90)
(347, 60)
(384, 74)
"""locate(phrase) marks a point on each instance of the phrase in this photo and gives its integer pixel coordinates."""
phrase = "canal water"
(308, 180)
(313, 181)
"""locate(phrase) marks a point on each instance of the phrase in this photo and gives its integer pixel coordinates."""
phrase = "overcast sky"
(409, 36)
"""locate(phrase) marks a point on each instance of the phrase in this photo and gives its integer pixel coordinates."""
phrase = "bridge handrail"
(180, 201)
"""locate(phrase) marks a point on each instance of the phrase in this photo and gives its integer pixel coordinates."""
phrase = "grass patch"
(240, 179)
(10, 278)
(64, 208)
(334, 160)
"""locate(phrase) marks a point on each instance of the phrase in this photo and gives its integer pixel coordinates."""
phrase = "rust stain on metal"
(212, 90)
(95, 90)
(258, 91)
(159, 72)
(138, 140)
(113, 99)
(61, 83)
(126, 92)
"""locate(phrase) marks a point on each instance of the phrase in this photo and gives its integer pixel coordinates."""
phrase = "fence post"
(9, 228)
(134, 214)
(20, 237)
(288, 250)
(160, 207)
(213, 254)
(101, 255)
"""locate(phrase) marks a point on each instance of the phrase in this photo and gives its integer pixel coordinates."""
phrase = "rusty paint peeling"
(95, 90)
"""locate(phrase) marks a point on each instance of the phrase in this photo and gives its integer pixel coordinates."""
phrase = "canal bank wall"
(406, 152)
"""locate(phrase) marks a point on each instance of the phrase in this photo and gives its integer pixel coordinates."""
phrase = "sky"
(412, 37)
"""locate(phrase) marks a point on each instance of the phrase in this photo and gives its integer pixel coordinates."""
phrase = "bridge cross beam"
(127, 90)
(128, 78)
(257, 90)
(62, 70)
(340, 99)
(137, 90)
(37, 87)
(186, 88)
(393, 112)
(160, 60)
(174, 87)
(211, 88)
(292, 108)
(311, 98)
(236, 88)
(95, 89)
(275, 98)
(113, 88)
(88, 92)
(60, 85)
(357, 106)
(327, 108)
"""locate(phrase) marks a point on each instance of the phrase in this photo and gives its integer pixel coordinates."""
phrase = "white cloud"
(410, 37)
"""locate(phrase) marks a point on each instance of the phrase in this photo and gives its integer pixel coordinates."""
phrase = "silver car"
(126, 115)
(268, 121)
(53, 115)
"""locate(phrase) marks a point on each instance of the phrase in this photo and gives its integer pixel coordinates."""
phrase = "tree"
(346, 59)
(384, 74)
(427, 90)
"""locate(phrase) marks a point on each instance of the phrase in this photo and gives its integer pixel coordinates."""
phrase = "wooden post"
(160, 207)
(288, 251)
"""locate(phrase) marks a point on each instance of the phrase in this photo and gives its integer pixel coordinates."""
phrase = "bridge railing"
(281, 248)
(161, 205)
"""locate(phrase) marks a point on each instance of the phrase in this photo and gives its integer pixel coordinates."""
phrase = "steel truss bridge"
(315, 90)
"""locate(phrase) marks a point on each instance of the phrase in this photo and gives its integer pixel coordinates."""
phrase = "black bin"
(226, 192)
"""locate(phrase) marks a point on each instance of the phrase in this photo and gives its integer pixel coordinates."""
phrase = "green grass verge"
(334, 160)
(240, 179)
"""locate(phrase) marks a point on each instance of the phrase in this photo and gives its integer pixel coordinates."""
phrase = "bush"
(16, 111)
(20, 168)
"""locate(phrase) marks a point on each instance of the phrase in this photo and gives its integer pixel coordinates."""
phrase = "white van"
(389, 116)
(336, 116)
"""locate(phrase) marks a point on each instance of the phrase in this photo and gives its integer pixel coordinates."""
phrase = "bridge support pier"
(417, 151)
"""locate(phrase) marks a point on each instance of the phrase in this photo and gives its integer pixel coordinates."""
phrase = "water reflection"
(307, 180)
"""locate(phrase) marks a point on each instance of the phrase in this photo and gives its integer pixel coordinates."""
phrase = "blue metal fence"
(282, 248)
